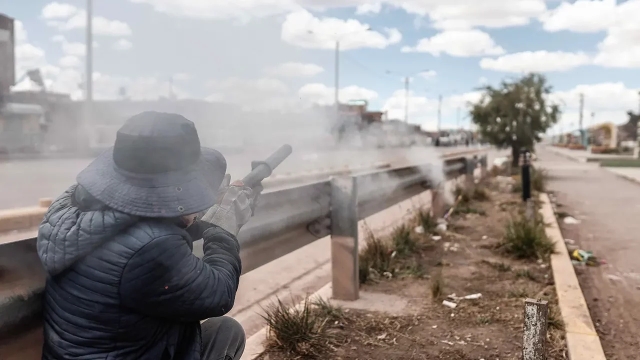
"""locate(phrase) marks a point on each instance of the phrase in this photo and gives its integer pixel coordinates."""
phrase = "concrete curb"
(583, 342)
(565, 155)
(255, 343)
(622, 176)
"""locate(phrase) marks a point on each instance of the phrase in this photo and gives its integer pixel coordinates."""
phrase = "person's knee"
(233, 327)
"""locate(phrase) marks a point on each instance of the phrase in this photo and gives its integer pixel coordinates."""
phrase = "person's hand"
(234, 207)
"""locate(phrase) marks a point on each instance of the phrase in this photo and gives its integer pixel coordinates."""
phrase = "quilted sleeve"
(164, 279)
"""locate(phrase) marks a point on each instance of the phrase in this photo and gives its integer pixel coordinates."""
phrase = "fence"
(284, 221)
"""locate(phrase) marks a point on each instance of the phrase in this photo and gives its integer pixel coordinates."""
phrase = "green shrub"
(526, 239)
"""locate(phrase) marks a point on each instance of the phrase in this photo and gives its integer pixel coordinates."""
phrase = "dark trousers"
(223, 338)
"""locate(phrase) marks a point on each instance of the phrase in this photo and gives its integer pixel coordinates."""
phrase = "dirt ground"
(466, 260)
(614, 307)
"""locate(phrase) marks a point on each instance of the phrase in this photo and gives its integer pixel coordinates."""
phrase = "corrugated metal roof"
(18, 108)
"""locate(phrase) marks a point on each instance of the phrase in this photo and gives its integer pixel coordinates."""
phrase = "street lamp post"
(84, 133)
(337, 64)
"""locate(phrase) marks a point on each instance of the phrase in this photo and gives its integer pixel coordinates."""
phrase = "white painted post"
(535, 330)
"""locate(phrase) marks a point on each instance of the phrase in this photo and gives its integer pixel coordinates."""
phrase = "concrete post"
(535, 330)
(344, 238)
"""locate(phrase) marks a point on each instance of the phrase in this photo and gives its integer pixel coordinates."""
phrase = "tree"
(516, 114)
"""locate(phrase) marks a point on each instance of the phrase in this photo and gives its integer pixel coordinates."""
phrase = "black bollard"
(526, 175)
(526, 184)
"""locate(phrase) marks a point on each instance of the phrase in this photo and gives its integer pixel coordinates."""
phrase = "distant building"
(7, 54)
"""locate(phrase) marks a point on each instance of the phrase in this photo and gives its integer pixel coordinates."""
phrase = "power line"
(381, 75)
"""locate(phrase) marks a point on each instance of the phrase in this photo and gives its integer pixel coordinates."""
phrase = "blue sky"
(231, 51)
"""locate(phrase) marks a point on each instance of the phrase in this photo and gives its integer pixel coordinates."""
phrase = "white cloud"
(294, 69)
(68, 77)
(181, 77)
(602, 96)
(67, 17)
(621, 46)
(56, 10)
(373, 8)
(101, 25)
(429, 74)
(483, 80)
(423, 110)
(29, 57)
(468, 14)
(583, 16)
(240, 10)
(20, 33)
(536, 61)
(321, 94)
(609, 102)
(122, 44)
(70, 61)
(459, 43)
(263, 93)
(74, 48)
(445, 14)
(302, 29)
(58, 38)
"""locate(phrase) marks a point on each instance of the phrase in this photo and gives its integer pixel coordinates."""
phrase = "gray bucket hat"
(156, 168)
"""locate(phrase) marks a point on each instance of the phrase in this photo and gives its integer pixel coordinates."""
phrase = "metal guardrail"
(288, 219)
(284, 221)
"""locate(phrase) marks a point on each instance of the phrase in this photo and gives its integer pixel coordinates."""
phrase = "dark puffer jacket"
(122, 287)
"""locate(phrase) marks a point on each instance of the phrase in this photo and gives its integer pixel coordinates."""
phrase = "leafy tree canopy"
(516, 113)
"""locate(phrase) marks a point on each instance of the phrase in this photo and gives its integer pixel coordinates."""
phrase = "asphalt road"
(23, 182)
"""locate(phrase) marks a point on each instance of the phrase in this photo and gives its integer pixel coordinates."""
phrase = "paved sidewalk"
(609, 209)
(583, 155)
(631, 174)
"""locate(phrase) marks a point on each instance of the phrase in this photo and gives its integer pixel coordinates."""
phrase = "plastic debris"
(466, 297)
(570, 220)
(449, 304)
(436, 238)
(451, 247)
(584, 257)
(419, 229)
(614, 277)
(473, 296)
(484, 237)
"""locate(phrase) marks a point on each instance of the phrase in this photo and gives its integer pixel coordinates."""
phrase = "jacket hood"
(75, 225)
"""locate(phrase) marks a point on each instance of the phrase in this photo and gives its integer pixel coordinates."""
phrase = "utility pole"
(84, 129)
(337, 75)
(636, 150)
(439, 111)
(580, 121)
(406, 99)
(171, 95)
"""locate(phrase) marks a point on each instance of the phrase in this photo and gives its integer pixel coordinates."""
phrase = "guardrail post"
(470, 167)
(484, 165)
(344, 238)
(438, 201)
(535, 329)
